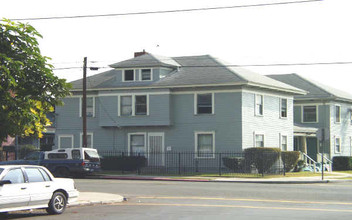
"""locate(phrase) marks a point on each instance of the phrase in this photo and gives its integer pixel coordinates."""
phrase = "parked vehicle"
(24, 187)
(63, 162)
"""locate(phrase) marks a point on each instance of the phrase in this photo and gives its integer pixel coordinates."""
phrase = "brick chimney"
(137, 54)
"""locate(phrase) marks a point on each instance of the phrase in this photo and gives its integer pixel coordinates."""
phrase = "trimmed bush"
(234, 163)
(342, 163)
(123, 163)
(290, 159)
(262, 158)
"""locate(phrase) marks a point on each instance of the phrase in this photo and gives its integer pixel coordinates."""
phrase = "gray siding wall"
(271, 125)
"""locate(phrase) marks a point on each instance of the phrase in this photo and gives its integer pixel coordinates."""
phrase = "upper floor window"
(310, 113)
(204, 103)
(283, 108)
(90, 110)
(146, 75)
(337, 114)
(131, 105)
(128, 75)
(259, 104)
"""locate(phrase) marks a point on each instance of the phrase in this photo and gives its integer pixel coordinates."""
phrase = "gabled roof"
(188, 71)
(315, 89)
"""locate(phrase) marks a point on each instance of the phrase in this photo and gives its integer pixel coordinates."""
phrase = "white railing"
(309, 161)
(327, 164)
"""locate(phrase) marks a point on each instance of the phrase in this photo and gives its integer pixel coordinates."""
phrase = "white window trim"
(81, 139)
(337, 137)
(196, 133)
(133, 104)
(129, 141)
(254, 138)
(195, 102)
(81, 103)
(123, 75)
(255, 105)
(151, 74)
(64, 136)
(281, 108)
(335, 119)
(316, 114)
(281, 137)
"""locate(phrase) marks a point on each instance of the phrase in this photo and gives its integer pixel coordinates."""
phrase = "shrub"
(290, 159)
(342, 163)
(234, 163)
(262, 158)
(123, 163)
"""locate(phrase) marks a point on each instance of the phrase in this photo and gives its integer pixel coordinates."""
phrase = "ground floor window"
(205, 144)
(89, 140)
(284, 142)
(259, 140)
(337, 145)
(65, 141)
(137, 143)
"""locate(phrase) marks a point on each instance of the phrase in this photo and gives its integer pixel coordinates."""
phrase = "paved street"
(190, 200)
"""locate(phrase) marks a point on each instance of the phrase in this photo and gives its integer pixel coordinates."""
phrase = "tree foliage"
(28, 87)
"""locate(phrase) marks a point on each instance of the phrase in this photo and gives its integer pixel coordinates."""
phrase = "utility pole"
(84, 103)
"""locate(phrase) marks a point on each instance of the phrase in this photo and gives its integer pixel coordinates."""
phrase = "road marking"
(234, 206)
(246, 200)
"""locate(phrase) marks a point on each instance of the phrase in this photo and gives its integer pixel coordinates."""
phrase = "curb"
(223, 181)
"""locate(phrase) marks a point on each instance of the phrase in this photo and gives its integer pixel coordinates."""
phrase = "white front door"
(156, 155)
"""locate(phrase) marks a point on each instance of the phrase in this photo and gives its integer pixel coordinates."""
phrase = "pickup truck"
(63, 162)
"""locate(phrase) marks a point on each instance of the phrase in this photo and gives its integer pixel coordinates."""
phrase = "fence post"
(219, 164)
(179, 163)
(263, 159)
(283, 160)
(139, 169)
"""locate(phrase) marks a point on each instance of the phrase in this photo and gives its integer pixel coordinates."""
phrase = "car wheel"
(57, 204)
(62, 172)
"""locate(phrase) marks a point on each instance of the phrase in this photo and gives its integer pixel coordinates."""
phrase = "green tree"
(28, 87)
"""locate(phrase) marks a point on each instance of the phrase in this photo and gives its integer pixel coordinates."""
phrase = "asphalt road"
(186, 200)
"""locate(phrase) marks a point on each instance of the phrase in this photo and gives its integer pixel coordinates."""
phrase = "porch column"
(304, 144)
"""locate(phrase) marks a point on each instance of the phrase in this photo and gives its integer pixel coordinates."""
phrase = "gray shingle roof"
(188, 71)
(315, 89)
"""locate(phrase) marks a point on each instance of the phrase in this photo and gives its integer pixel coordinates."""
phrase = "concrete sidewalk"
(337, 177)
(92, 198)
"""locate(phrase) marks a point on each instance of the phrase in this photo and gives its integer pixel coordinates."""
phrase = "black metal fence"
(191, 163)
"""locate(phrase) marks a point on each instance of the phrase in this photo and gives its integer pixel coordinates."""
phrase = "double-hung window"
(204, 103)
(259, 140)
(141, 105)
(310, 113)
(337, 114)
(283, 108)
(128, 75)
(337, 145)
(137, 143)
(205, 144)
(89, 140)
(131, 105)
(284, 142)
(90, 107)
(126, 105)
(146, 75)
(259, 105)
(65, 141)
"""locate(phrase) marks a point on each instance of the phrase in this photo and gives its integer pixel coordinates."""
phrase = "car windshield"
(92, 156)
(1, 169)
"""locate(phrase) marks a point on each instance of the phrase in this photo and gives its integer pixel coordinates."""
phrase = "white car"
(24, 187)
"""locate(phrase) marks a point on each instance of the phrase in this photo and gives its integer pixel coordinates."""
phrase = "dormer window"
(146, 75)
(128, 75)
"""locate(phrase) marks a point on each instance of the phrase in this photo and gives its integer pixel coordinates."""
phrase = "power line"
(163, 12)
(235, 65)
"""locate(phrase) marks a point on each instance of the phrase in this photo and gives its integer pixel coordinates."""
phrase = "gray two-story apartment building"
(175, 104)
(322, 117)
